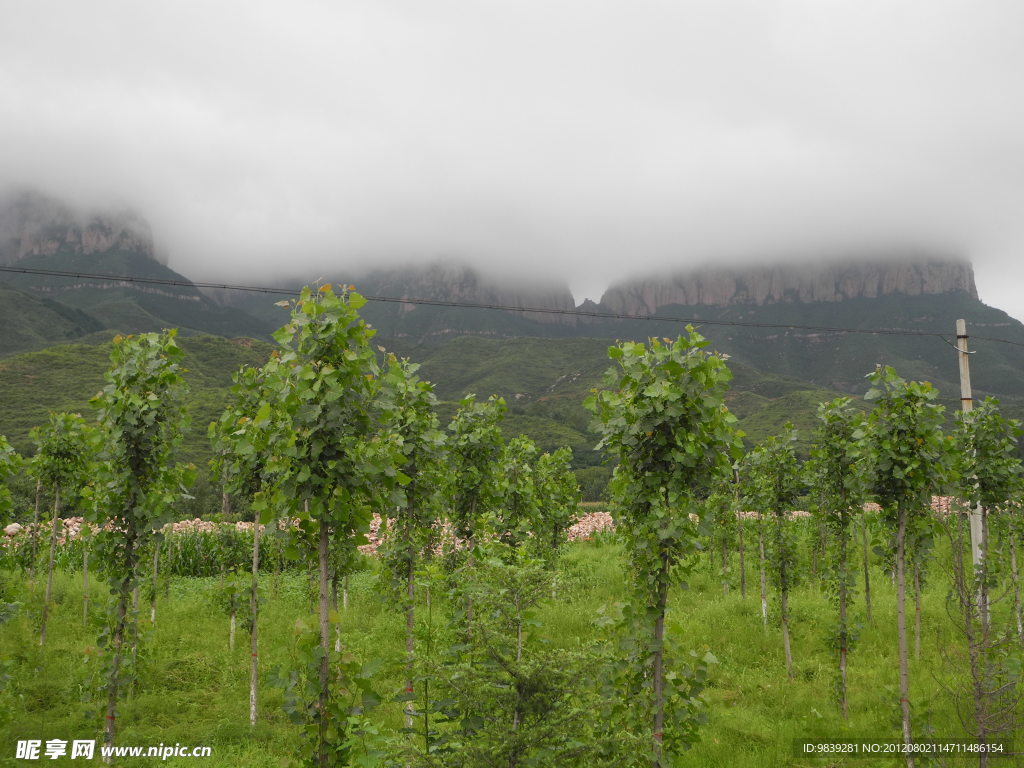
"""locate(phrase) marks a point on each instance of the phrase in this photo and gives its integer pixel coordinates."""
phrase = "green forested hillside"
(544, 382)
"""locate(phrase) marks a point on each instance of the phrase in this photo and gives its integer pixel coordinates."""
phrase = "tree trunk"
(135, 632)
(867, 574)
(49, 567)
(784, 602)
(743, 563)
(322, 756)
(231, 629)
(844, 533)
(917, 609)
(725, 565)
(254, 612)
(783, 554)
(1015, 577)
(334, 607)
(410, 626)
(34, 535)
(344, 592)
(901, 630)
(764, 582)
(85, 582)
(117, 641)
(156, 568)
(658, 664)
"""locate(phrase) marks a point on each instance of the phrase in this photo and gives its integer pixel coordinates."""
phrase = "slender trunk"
(334, 607)
(168, 566)
(156, 568)
(231, 629)
(1015, 577)
(322, 755)
(743, 563)
(85, 582)
(344, 592)
(783, 553)
(761, 565)
(49, 567)
(844, 534)
(225, 504)
(34, 535)
(983, 607)
(784, 602)
(135, 631)
(410, 626)
(658, 664)
(867, 574)
(254, 612)
(970, 602)
(519, 658)
(725, 565)
(901, 630)
(917, 609)
(117, 642)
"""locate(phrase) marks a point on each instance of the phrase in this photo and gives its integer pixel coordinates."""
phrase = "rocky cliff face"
(460, 283)
(32, 224)
(829, 282)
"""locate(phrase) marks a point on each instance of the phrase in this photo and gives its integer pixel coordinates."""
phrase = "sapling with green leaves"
(515, 517)
(62, 455)
(774, 483)
(413, 420)
(836, 471)
(663, 418)
(141, 412)
(247, 438)
(474, 446)
(338, 461)
(10, 464)
(905, 448)
(558, 495)
(989, 472)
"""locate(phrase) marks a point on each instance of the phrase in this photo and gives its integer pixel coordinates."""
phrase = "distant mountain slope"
(64, 377)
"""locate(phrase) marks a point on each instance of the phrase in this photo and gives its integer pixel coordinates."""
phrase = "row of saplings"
(325, 433)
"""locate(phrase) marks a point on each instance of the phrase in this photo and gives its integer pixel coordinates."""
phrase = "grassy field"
(194, 691)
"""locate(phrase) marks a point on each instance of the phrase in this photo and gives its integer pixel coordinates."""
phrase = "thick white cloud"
(583, 139)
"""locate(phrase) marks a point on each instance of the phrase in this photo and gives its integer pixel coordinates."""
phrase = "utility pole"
(967, 405)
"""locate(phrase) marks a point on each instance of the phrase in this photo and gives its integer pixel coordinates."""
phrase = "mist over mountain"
(770, 317)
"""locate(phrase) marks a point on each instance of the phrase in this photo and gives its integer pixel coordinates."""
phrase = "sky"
(585, 141)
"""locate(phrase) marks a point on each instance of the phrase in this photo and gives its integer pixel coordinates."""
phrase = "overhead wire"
(596, 314)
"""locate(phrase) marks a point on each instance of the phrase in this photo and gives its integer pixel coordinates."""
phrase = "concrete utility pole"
(967, 405)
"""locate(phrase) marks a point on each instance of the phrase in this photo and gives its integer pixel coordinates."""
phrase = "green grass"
(193, 690)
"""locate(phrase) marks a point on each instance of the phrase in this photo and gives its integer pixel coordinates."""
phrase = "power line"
(503, 307)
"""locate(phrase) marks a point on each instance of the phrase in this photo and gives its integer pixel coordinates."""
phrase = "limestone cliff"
(444, 281)
(798, 282)
(32, 224)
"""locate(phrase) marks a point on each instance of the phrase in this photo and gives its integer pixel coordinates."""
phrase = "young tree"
(414, 422)
(990, 476)
(516, 515)
(338, 460)
(774, 482)
(62, 455)
(664, 419)
(10, 463)
(474, 445)
(141, 412)
(836, 471)
(559, 497)
(906, 450)
(245, 439)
